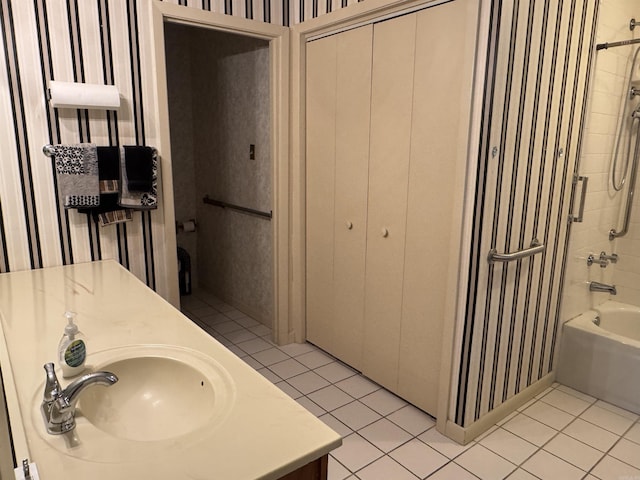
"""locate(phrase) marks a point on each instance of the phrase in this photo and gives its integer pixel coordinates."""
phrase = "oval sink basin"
(163, 392)
(166, 396)
(156, 398)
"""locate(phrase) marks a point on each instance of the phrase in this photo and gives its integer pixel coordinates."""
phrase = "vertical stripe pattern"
(537, 76)
(84, 128)
(4, 257)
(112, 116)
(53, 127)
(97, 41)
(23, 159)
(138, 112)
(578, 149)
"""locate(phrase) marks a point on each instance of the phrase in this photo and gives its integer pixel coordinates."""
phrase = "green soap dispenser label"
(75, 353)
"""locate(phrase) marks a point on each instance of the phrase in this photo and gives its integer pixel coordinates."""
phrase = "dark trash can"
(184, 271)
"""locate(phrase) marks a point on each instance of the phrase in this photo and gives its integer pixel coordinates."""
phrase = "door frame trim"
(278, 38)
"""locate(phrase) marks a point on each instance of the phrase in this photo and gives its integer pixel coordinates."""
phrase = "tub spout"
(602, 287)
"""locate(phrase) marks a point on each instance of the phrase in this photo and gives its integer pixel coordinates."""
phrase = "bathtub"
(600, 354)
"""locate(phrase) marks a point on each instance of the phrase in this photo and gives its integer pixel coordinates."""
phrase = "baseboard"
(464, 435)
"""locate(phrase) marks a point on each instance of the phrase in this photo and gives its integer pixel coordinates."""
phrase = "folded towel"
(138, 200)
(109, 169)
(139, 168)
(108, 212)
(116, 216)
(77, 174)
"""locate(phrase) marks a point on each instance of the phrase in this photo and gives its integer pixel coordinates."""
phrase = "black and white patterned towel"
(77, 174)
(138, 200)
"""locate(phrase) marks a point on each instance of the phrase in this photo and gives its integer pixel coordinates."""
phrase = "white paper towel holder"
(83, 95)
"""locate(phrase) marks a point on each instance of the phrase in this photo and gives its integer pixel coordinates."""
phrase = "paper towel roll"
(189, 226)
(84, 95)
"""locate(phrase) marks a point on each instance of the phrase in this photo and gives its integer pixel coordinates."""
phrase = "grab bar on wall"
(583, 196)
(251, 211)
(613, 233)
(604, 46)
(536, 247)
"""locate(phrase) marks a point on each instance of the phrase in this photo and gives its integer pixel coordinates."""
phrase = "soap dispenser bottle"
(72, 350)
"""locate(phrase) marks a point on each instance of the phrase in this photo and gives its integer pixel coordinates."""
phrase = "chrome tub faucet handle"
(613, 258)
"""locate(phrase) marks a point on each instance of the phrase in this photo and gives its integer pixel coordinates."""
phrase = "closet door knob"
(385, 232)
(349, 225)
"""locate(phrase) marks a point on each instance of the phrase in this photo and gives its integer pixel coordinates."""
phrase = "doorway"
(271, 143)
(218, 93)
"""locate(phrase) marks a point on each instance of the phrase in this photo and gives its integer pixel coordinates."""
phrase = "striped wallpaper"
(538, 69)
(538, 65)
(94, 41)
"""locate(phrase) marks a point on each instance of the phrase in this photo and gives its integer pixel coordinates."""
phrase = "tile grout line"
(611, 448)
(558, 432)
(540, 398)
(306, 396)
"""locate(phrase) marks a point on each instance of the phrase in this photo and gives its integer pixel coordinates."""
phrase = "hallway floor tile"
(561, 434)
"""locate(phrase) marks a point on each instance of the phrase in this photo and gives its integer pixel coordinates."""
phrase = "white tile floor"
(561, 434)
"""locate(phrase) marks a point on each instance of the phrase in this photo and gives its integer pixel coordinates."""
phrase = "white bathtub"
(603, 360)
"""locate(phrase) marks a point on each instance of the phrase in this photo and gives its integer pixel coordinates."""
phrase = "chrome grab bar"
(583, 196)
(613, 233)
(251, 211)
(622, 43)
(536, 247)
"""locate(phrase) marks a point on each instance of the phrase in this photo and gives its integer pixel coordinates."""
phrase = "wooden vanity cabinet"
(316, 470)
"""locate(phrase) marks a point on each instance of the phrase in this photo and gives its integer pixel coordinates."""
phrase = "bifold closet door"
(353, 101)
(338, 108)
(321, 115)
(442, 75)
(421, 71)
(391, 106)
(387, 122)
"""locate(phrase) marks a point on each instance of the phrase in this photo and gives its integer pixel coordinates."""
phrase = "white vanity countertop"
(264, 435)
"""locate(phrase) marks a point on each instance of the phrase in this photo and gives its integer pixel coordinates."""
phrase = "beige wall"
(6, 456)
(181, 99)
(234, 249)
(219, 92)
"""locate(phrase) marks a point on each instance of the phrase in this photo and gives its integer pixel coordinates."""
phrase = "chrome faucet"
(602, 287)
(59, 406)
(603, 260)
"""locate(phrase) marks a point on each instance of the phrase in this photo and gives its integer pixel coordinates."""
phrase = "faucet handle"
(613, 258)
(603, 262)
(52, 386)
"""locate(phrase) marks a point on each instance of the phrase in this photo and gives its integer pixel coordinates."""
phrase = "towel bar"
(536, 247)
(50, 150)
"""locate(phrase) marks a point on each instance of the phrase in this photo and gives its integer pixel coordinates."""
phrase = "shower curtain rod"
(604, 46)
